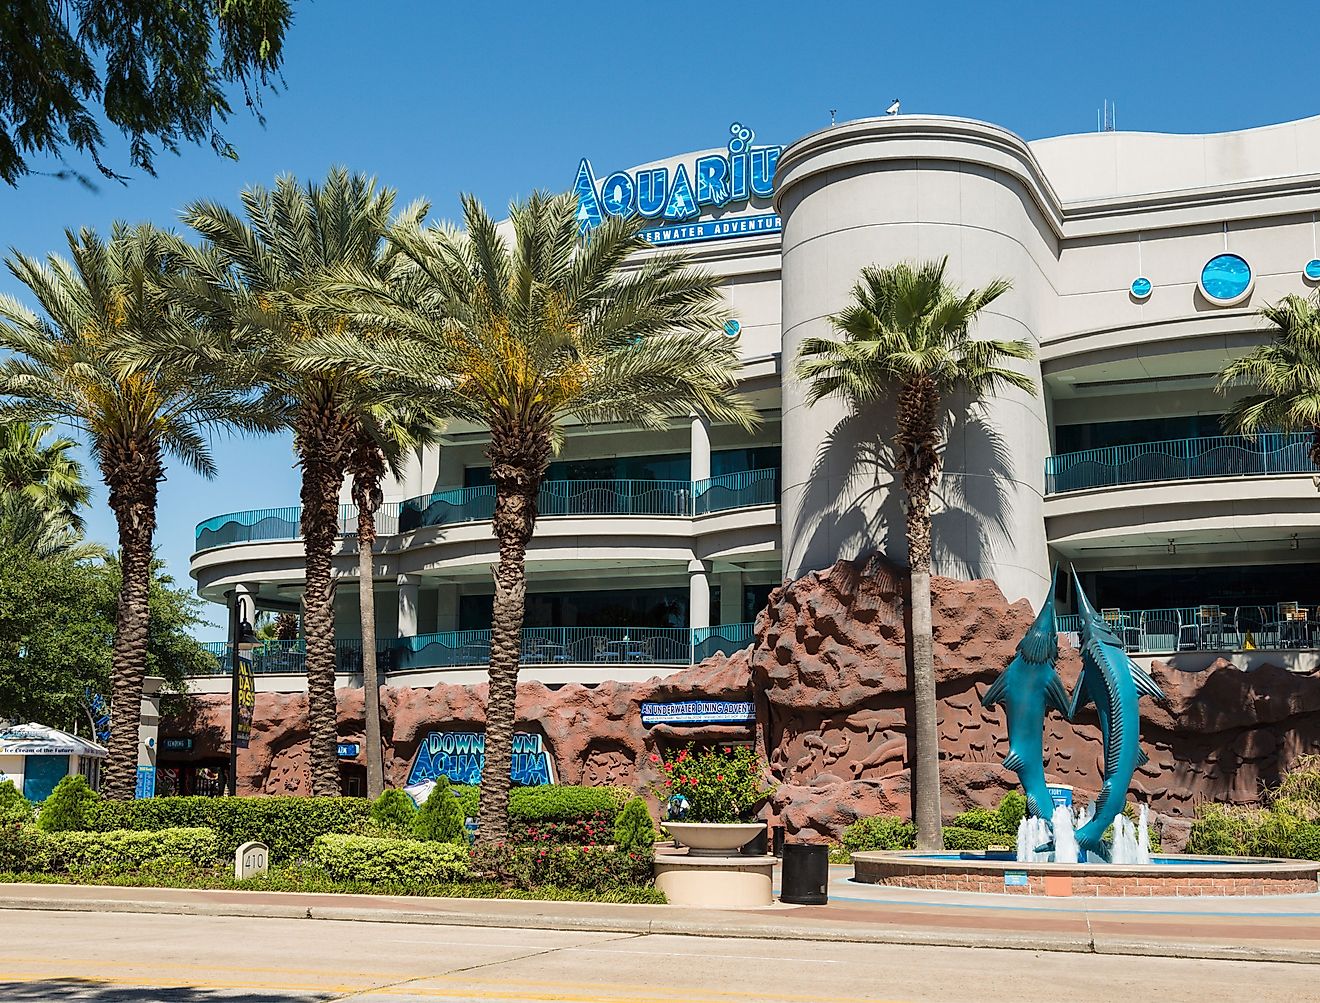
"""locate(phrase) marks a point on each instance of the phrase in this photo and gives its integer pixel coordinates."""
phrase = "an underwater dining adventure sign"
(711, 201)
(461, 756)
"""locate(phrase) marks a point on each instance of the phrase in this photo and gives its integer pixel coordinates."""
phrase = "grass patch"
(308, 879)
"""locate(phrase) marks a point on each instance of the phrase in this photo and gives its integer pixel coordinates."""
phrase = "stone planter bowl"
(714, 839)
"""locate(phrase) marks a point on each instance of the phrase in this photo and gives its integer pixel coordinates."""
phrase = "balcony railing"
(1179, 460)
(1209, 627)
(603, 646)
(477, 504)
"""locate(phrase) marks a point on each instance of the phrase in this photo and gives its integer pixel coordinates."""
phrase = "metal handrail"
(1267, 454)
(603, 646)
(1198, 628)
(452, 506)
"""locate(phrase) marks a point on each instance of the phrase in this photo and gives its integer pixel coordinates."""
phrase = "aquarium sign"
(461, 756)
(699, 712)
(678, 198)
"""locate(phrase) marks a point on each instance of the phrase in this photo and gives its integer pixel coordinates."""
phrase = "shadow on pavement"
(94, 991)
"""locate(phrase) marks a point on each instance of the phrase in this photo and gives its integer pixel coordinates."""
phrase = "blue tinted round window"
(1312, 270)
(1141, 287)
(1226, 279)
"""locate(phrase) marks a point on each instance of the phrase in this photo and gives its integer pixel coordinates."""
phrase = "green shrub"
(394, 811)
(69, 806)
(14, 807)
(555, 813)
(1012, 810)
(633, 829)
(123, 851)
(408, 861)
(440, 819)
(24, 847)
(1306, 842)
(288, 825)
(469, 798)
(1224, 830)
(883, 832)
(721, 784)
(958, 838)
(983, 820)
(586, 868)
(1301, 786)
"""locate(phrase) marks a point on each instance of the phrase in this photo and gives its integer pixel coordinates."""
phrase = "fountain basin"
(1171, 874)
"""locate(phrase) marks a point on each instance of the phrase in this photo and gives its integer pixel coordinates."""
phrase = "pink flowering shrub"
(721, 784)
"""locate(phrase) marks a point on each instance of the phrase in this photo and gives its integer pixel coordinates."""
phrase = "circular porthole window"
(732, 328)
(1311, 270)
(1226, 279)
(1140, 288)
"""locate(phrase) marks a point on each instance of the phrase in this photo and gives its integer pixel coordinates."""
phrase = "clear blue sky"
(499, 98)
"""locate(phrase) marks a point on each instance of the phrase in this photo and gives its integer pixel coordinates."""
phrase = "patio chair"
(1121, 624)
(1161, 630)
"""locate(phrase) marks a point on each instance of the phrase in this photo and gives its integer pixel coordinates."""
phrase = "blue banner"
(699, 712)
(146, 782)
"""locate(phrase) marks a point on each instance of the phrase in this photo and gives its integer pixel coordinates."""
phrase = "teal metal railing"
(477, 504)
(1179, 460)
(741, 490)
(540, 646)
(1208, 627)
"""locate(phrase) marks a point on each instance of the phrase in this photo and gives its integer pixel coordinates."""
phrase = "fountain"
(1058, 854)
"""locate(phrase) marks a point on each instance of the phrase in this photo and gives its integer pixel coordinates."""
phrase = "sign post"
(243, 689)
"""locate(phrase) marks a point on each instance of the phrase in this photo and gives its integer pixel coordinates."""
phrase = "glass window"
(616, 608)
(1098, 434)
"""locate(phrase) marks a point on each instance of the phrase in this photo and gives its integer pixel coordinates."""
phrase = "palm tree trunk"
(368, 469)
(321, 439)
(132, 475)
(518, 462)
(917, 440)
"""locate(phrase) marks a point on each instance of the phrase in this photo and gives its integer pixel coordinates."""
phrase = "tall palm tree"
(1285, 375)
(521, 333)
(37, 532)
(85, 361)
(43, 471)
(259, 282)
(381, 440)
(906, 338)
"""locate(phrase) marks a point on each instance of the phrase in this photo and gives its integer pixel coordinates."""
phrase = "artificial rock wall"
(827, 672)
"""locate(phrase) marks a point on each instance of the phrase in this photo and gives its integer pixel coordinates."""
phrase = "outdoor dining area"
(1211, 627)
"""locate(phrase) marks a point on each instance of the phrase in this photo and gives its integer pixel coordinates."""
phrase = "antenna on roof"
(1106, 120)
(832, 111)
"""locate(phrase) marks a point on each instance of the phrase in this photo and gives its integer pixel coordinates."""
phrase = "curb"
(234, 905)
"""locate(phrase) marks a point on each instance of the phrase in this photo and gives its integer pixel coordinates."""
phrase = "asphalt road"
(67, 956)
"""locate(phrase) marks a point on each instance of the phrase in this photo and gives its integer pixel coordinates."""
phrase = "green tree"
(906, 338)
(155, 71)
(25, 526)
(633, 829)
(43, 472)
(1284, 376)
(394, 811)
(76, 363)
(521, 333)
(57, 625)
(260, 282)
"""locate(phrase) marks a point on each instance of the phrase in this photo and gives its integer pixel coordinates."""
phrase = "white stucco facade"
(1088, 470)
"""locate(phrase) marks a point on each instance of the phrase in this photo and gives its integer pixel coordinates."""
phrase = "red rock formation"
(828, 673)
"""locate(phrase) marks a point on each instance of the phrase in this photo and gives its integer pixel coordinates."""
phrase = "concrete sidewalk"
(1284, 928)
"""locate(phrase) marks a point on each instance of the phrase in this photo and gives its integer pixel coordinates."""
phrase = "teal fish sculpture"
(1027, 689)
(1115, 684)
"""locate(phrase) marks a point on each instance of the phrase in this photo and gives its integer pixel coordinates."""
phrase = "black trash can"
(756, 846)
(806, 875)
(777, 840)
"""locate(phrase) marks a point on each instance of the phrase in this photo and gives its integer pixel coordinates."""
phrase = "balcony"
(453, 506)
(1179, 460)
(595, 646)
(1279, 626)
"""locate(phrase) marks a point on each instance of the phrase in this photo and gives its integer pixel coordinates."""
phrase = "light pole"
(241, 638)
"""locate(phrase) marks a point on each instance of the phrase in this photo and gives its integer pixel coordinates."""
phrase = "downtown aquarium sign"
(712, 198)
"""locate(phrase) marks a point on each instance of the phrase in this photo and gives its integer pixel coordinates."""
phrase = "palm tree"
(26, 527)
(905, 337)
(522, 333)
(260, 283)
(84, 361)
(382, 438)
(1284, 373)
(43, 472)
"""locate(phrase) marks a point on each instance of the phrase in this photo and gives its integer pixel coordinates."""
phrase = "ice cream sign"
(707, 202)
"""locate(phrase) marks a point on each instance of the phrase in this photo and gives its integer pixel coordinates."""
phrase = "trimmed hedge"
(590, 868)
(288, 825)
(881, 832)
(14, 807)
(24, 848)
(122, 851)
(406, 861)
(957, 837)
(555, 813)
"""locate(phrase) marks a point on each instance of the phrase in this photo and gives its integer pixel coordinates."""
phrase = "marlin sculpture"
(1028, 688)
(1114, 683)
